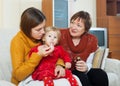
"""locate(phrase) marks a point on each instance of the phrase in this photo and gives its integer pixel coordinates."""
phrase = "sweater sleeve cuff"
(60, 62)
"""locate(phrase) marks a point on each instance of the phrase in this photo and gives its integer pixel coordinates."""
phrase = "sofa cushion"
(99, 58)
(113, 79)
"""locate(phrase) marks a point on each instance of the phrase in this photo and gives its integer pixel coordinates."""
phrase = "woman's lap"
(98, 77)
(82, 77)
(94, 77)
(57, 82)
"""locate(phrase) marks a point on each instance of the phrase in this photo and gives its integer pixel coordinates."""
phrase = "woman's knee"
(97, 73)
(98, 76)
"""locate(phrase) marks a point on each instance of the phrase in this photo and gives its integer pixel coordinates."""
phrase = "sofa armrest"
(113, 66)
(6, 83)
(5, 71)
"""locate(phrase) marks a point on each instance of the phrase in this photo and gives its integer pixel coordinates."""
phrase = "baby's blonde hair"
(51, 28)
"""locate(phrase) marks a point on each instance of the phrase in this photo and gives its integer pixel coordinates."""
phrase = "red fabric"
(34, 49)
(48, 81)
(71, 79)
(46, 68)
(47, 64)
(88, 44)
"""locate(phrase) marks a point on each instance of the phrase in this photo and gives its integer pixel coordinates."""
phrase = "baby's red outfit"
(45, 69)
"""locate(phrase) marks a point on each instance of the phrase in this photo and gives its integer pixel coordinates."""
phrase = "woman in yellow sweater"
(31, 31)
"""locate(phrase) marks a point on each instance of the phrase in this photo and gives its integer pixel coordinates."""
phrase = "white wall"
(10, 10)
(0, 13)
(86, 5)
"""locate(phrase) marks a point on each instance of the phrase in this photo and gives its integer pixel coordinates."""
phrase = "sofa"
(111, 66)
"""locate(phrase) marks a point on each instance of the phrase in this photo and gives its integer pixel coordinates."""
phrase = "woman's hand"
(44, 50)
(59, 71)
(81, 66)
(67, 65)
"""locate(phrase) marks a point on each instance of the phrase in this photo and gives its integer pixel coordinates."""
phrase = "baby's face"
(51, 38)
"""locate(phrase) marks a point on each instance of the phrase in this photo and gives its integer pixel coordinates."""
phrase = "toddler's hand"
(67, 65)
(52, 47)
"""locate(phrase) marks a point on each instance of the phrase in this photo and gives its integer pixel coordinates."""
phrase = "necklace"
(76, 41)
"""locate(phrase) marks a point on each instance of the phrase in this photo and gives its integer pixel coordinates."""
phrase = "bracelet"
(60, 65)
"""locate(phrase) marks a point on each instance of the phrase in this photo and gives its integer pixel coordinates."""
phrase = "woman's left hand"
(59, 71)
(81, 66)
(45, 50)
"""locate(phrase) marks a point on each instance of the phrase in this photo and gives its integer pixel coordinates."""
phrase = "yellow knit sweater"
(22, 66)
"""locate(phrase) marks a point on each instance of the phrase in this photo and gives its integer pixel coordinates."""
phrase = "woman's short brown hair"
(85, 17)
(30, 18)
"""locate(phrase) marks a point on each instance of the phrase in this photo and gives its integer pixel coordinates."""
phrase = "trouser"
(98, 77)
(83, 77)
(95, 77)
